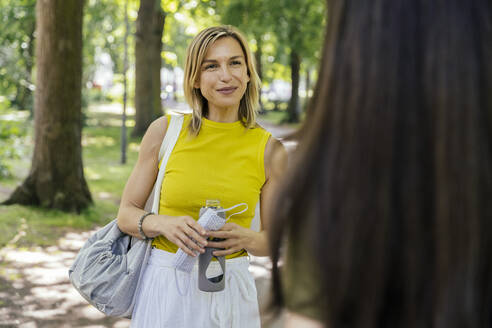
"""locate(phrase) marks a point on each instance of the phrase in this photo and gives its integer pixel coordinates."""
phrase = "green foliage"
(277, 117)
(273, 117)
(104, 174)
(17, 25)
(299, 25)
(274, 26)
(268, 24)
(13, 136)
(184, 19)
(253, 18)
(104, 31)
(278, 27)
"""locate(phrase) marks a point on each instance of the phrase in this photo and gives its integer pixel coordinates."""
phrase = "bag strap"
(167, 147)
(172, 133)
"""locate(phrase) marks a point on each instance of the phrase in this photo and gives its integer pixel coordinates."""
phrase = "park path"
(35, 291)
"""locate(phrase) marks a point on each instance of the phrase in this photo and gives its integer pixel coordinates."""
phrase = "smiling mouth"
(227, 90)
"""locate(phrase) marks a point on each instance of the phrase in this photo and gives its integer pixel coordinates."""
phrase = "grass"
(105, 176)
(278, 118)
(274, 117)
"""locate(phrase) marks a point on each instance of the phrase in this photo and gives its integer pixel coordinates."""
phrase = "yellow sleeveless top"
(224, 162)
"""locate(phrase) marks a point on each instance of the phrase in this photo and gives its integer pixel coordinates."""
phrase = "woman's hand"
(236, 239)
(186, 233)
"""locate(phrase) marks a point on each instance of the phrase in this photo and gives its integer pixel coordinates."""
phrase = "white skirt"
(171, 298)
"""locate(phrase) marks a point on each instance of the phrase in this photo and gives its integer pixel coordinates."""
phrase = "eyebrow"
(214, 60)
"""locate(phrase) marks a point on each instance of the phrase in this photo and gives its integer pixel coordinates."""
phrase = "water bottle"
(217, 283)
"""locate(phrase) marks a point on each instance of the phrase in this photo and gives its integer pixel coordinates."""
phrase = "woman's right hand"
(185, 233)
(178, 229)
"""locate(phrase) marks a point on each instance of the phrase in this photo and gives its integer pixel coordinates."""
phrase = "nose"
(225, 74)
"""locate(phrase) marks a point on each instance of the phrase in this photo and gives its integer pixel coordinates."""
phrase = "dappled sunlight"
(134, 147)
(122, 323)
(117, 169)
(105, 121)
(109, 114)
(73, 241)
(44, 313)
(56, 293)
(44, 276)
(105, 195)
(17, 284)
(114, 108)
(34, 284)
(35, 290)
(91, 312)
(91, 174)
(25, 257)
(19, 116)
(98, 141)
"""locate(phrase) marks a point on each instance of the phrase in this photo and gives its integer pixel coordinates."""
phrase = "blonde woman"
(221, 153)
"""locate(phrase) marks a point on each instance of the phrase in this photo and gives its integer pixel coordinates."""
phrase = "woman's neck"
(226, 115)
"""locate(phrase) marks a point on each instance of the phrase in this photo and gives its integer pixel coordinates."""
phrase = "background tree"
(103, 32)
(56, 178)
(185, 20)
(298, 27)
(17, 24)
(148, 47)
(253, 18)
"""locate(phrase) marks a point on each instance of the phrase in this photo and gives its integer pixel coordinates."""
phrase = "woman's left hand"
(236, 239)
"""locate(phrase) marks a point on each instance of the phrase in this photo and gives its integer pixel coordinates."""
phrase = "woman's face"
(223, 75)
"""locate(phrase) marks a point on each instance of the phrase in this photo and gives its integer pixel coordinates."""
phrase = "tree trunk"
(158, 25)
(293, 109)
(259, 68)
(56, 178)
(148, 46)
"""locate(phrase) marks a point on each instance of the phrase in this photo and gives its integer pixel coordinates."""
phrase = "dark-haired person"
(221, 154)
(387, 211)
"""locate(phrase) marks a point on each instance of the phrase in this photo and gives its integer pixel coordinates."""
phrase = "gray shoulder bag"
(108, 268)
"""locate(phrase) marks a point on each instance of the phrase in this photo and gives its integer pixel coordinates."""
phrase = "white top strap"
(173, 129)
(167, 147)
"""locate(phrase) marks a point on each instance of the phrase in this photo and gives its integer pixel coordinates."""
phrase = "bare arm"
(178, 230)
(237, 237)
(141, 181)
(275, 167)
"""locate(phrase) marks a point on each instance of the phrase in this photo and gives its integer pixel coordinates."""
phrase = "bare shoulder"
(151, 141)
(158, 127)
(275, 157)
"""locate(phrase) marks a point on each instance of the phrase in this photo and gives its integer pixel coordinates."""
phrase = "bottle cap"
(212, 203)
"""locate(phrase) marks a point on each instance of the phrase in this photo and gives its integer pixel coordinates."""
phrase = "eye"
(236, 62)
(210, 66)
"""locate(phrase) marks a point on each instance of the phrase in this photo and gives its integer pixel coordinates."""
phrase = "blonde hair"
(195, 55)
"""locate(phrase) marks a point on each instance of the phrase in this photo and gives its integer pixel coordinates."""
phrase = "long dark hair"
(391, 187)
